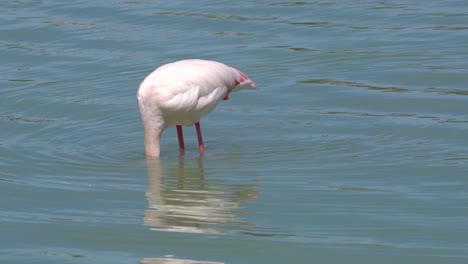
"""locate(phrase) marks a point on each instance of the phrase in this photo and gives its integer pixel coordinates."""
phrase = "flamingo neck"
(153, 131)
(152, 143)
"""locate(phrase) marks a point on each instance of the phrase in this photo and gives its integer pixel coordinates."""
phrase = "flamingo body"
(181, 93)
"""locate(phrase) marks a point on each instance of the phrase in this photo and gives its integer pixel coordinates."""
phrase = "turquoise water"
(353, 150)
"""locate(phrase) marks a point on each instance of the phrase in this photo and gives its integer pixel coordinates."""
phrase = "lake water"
(354, 149)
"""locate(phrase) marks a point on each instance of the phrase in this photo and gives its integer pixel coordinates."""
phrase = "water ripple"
(355, 84)
(210, 16)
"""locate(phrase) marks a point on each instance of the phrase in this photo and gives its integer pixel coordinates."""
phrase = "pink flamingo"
(180, 93)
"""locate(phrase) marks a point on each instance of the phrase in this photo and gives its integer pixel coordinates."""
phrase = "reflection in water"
(174, 261)
(182, 200)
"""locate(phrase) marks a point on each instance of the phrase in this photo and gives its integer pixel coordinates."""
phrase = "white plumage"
(182, 92)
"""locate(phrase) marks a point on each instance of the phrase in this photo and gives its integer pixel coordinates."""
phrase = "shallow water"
(353, 150)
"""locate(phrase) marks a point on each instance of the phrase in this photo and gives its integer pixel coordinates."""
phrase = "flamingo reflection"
(182, 199)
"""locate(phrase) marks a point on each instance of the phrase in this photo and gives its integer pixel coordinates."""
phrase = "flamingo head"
(242, 82)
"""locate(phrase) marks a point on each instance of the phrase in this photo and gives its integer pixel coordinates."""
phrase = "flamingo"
(181, 93)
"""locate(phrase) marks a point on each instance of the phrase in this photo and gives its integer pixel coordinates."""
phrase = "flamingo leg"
(180, 135)
(200, 139)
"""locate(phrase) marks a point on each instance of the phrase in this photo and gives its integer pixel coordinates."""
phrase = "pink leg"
(200, 139)
(180, 135)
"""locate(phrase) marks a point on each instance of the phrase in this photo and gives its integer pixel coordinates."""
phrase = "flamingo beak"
(245, 82)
